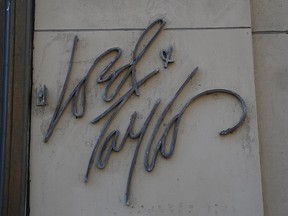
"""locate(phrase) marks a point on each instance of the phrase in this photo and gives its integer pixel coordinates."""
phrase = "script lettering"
(108, 141)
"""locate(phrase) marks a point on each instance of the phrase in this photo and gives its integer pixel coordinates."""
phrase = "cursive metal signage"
(108, 141)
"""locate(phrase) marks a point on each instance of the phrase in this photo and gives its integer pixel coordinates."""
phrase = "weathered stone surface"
(88, 14)
(269, 15)
(207, 175)
(271, 72)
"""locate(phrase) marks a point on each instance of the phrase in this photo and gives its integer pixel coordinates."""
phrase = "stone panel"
(271, 73)
(107, 14)
(269, 15)
(207, 175)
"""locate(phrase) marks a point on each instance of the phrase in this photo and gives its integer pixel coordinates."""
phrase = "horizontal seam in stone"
(141, 29)
(270, 32)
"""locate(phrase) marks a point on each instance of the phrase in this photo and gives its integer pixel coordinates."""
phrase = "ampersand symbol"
(166, 56)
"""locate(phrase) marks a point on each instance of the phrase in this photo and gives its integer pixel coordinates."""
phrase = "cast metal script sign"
(108, 140)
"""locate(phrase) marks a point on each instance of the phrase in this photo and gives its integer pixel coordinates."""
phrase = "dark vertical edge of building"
(18, 94)
(2, 149)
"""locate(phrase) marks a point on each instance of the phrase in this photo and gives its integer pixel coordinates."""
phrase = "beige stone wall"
(270, 46)
(55, 25)
(208, 175)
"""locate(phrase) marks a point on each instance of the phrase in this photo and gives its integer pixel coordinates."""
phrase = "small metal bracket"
(41, 97)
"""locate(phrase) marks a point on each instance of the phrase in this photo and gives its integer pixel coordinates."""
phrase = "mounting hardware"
(41, 96)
